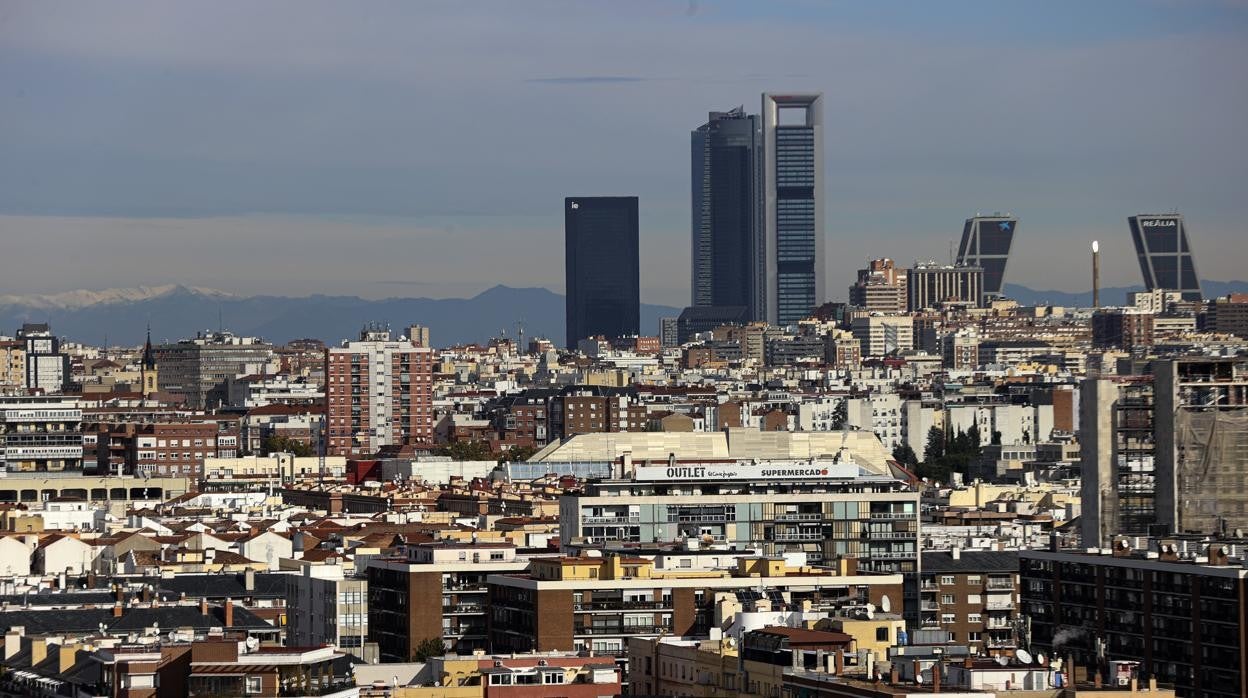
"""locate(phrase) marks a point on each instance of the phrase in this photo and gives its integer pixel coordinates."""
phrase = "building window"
(946, 599)
(253, 685)
(974, 618)
(973, 579)
(948, 618)
(881, 634)
(947, 580)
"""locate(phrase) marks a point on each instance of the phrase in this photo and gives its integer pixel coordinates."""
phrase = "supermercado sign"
(798, 471)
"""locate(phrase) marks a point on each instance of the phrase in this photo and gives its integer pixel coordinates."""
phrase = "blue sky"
(424, 148)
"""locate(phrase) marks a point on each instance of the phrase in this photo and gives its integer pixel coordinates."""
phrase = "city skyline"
(290, 137)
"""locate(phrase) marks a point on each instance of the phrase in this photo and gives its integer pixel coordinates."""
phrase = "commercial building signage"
(1158, 224)
(794, 471)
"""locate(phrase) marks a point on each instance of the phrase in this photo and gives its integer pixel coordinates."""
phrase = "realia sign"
(1159, 224)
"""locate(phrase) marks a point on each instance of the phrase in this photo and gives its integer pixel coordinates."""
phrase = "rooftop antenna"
(951, 253)
(1096, 274)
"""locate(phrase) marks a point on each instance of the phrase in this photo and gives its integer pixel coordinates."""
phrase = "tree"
(905, 455)
(516, 454)
(285, 444)
(935, 448)
(428, 647)
(972, 438)
(468, 450)
(996, 437)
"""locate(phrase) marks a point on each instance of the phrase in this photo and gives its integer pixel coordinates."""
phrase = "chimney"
(12, 643)
(229, 613)
(38, 651)
(936, 669)
(117, 610)
(203, 606)
(894, 672)
(1096, 274)
(249, 579)
(119, 593)
(956, 553)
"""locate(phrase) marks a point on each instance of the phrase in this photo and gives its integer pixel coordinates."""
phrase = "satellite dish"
(886, 605)
(870, 613)
(1040, 659)
(918, 678)
(1003, 661)
(1023, 656)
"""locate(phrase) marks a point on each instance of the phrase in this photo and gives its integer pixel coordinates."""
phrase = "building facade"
(436, 590)
(41, 434)
(793, 205)
(378, 393)
(1165, 254)
(986, 242)
(1182, 617)
(727, 244)
(198, 369)
(326, 607)
(47, 368)
(933, 285)
(973, 596)
(602, 267)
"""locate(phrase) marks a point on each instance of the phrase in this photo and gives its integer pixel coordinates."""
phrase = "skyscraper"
(986, 242)
(793, 200)
(727, 243)
(1165, 255)
(602, 267)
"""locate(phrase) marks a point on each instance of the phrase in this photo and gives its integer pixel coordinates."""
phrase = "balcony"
(893, 515)
(892, 535)
(461, 608)
(999, 604)
(904, 555)
(1000, 584)
(610, 520)
(798, 537)
(591, 606)
(929, 606)
(620, 629)
(799, 517)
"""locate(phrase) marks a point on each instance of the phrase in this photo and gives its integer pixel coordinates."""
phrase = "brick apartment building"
(165, 449)
(379, 393)
(971, 595)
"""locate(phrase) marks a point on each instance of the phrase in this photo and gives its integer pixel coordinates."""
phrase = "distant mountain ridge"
(120, 316)
(1116, 295)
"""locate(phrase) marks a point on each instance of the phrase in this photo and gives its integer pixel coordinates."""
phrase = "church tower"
(149, 376)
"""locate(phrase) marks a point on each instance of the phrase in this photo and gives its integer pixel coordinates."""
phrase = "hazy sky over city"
(424, 148)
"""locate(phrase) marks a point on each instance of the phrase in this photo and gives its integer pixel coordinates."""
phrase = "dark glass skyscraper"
(986, 242)
(727, 243)
(601, 266)
(1165, 255)
(793, 200)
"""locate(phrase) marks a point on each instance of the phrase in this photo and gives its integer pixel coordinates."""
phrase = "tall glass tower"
(1165, 255)
(986, 242)
(727, 243)
(601, 266)
(793, 205)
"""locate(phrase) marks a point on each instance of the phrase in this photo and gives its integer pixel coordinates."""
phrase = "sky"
(424, 148)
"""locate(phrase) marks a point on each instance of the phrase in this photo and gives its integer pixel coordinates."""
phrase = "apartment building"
(435, 590)
(597, 603)
(327, 606)
(379, 393)
(40, 434)
(1176, 606)
(165, 449)
(198, 369)
(879, 335)
(973, 596)
(12, 366)
(825, 510)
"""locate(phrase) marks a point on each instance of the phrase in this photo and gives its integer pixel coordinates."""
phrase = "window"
(946, 599)
(975, 599)
(881, 634)
(974, 618)
(973, 580)
(948, 618)
(947, 580)
(253, 685)
(975, 637)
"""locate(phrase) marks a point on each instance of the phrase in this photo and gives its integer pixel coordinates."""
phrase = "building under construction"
(1201, 427)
